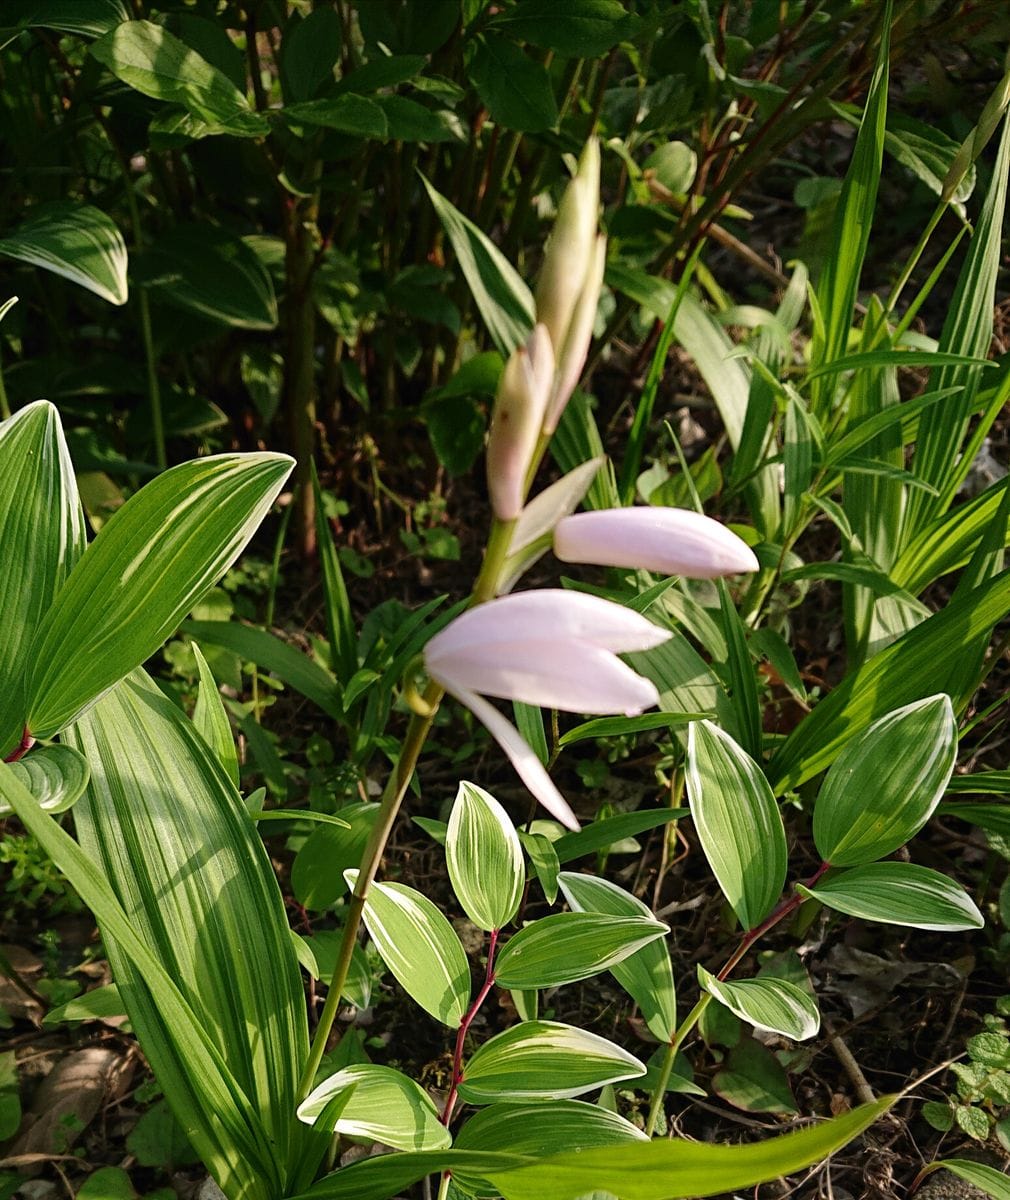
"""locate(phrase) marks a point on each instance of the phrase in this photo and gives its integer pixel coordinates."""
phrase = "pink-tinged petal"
(569, 675)
(548, 615)
(528, 767)
(572, 355)
(559, 500)
(674, 541)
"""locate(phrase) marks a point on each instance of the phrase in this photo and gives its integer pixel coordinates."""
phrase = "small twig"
(855, 1073)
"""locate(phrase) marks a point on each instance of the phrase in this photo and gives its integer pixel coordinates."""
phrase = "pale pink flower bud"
(523, 393)
(572, 356)
(570, 246)
(672, 541)
(554, 648)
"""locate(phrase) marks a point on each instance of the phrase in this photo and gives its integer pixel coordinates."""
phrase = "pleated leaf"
(420, 947)
(169, 831)
(385, 1106)
(567, 947)
(209, 1103)
(989, 1179)
(41, 537)
(775, 1005)
(885, 784)
(646, 975)
(55, 775)
(738, 822)
(151, 562)
(77, 241)
(484, 858)
(544, 1060)
(899, 893)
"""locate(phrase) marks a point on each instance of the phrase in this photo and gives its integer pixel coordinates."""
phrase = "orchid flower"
(549, 647)
(675, 541)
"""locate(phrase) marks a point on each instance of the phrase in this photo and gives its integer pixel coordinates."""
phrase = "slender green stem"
(443, 1187)
(665, 1071)
(913, 258)
(5, 408)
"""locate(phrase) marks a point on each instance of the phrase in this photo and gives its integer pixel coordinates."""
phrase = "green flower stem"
(485, 589)
(666, 1070)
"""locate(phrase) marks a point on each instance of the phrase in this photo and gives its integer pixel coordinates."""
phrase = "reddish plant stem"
(26, 743)
(783, 910)
(464, 1026)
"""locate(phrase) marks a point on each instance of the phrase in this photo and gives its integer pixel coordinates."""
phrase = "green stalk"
(666, 1070)
(485, 589)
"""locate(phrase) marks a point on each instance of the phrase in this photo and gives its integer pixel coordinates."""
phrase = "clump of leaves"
(33, 880)
(980, 1105)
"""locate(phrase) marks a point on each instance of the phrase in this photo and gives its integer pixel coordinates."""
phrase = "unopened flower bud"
(572, 355)
(518, 417)
(569, 248)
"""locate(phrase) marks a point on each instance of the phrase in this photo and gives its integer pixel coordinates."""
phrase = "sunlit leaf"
(775, 1005)
(898, 893)
(77, 241)
(484, 858)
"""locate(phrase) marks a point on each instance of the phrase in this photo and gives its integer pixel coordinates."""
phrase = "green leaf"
(738, 822)
(389, 1174)
(994, 818)
(41, 538)
(484, 858)
(386, 1106)
(156, 63)
(211, 719)
(917, 664)
(516, 90)
(607, 831)
(151, 562)
(349, 113)
(98, 1004)
(501, 296)
(671, 1169)
(544, 1060)
(207, 270)
(911, 357)
(409, 121)
(885, 784)
(107, 1183)
(993, 1182)
(606, 727)
(567, 947)
(268, 652)
(78, 242)
(646, 975)
(89, 18)
(309, 51)
(55, 775)
(340, 628)
(775, 1005)
(420, 948)
(752, 1078)
(537, 1129)
(317, 874)
(544, 860)
(898, 893)
(581, 29)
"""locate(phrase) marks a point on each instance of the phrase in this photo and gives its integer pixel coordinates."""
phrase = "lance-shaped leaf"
(41, 537)
(484, 858)
(775, 1005)
(77, 241)
(738, 822)
(567, 947)
(420, 947)
(544, 1060)
(899, 893)
(55, 775)
(211, 719)
(172, 836)
(385, 1106)
(885, 784)
(151, 562)
(646, 975)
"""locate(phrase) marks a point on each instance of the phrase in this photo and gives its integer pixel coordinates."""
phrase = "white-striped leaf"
(738, 822)
(55, 775)
(484, 858)
(171, 834)
(385, 1106)
(41, 537)
(420, 947)
(544, 1060)
(883, 787)
(898, 893)
(567, 947)
(77, 241)
(775, 1005)
(151, 562)
(211, 718)
(646, 975)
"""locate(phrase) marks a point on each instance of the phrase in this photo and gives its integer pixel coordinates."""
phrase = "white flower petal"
(559, 500)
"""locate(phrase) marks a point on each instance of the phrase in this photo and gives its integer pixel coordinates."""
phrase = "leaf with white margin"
(647, 975)
(77, 241)
(55, 775)
(386, 1106)
(544, 1060)
(568, 947)
(884, 786)
(738, 822)
(420, 948)
(484, 858)
(898, 893)
(775, 1005)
